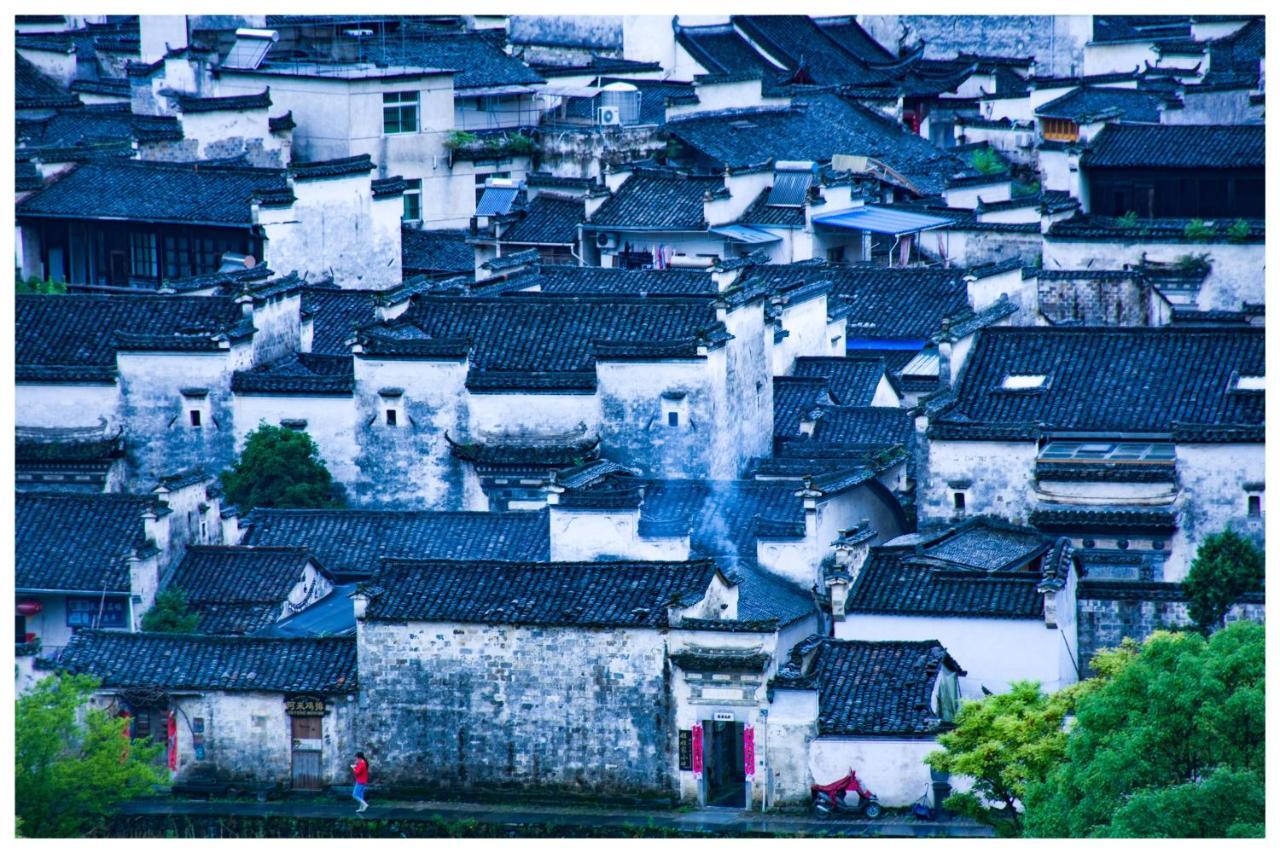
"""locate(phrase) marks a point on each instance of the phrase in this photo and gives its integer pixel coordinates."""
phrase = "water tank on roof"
(621, 102)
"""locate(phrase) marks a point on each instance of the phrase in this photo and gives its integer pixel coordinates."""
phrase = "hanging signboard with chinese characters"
(686, 749)
(749, 751)
(304, 706)
(697, 751)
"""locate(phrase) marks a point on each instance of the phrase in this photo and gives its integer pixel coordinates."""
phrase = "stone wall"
(1109, 612)
(582, 152)
(1097, 301)
(1057, 42)
(474, 705)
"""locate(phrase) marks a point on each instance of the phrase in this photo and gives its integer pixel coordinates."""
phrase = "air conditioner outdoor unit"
(605, 240)
(608, 116)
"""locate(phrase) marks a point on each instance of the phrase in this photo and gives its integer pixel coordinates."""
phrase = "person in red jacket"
(361, 771)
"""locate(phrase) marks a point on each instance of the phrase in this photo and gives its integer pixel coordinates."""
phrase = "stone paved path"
(720, 821)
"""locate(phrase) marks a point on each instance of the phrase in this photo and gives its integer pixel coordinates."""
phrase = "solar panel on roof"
(789, 189)
(496, 201)
(247, 52)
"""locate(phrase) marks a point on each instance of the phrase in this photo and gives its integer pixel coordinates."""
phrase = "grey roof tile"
(77, 542)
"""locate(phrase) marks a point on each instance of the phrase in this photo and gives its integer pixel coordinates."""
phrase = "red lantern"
(29, 607)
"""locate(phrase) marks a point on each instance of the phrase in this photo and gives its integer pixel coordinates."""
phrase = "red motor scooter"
(832, 798)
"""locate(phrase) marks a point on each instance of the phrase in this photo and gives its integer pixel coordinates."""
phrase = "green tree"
(1002, 743)
(987, 161)
(1226, 566)
(280, 467)
(170, 613)
(75, 764)
(33, 284)
(1171, 746)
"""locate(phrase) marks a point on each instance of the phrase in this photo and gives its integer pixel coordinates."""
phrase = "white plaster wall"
(968, 196)
(220, 126)
(1213, 477)
(892, 768)
(807, 324)
(331, 423)
(335, 226)
(1105, 58)
(531, 415)
(994, 652)
(66, 405)
(743, 189)
(1001, 474)
(593, 534)
(1237, 270)
(59, 65)
(985, 292)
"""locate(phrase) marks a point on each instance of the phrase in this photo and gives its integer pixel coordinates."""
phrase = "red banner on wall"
(697, 751)
(749, 751)
(173, 741)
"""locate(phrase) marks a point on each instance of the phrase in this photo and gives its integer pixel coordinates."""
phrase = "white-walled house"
(1137, 443)
(1002, 596)
(872, 707)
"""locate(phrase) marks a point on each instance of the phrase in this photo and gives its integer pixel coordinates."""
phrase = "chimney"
(852, 548)
(809, 421)
(360, 603)
(837, 592)
(944, 354)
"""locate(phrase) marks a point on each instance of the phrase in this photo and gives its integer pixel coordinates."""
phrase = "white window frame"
(396, 103)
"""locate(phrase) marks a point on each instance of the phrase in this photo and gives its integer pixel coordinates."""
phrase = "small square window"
(1255, 506)
(194, 415)
(391, 417)
(1251, 383)
(957, 500)
(399, 112)
(413, 200)
(673, 419)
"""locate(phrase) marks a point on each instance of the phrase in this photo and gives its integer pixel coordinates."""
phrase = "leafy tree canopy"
(170, 613)
(75, 764)
(1171, 745)
(33, 284)
(280, 468)
(1226, 566)
(1002, 743)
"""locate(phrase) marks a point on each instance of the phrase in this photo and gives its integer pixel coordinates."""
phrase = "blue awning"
(745, 234)
(881, 220)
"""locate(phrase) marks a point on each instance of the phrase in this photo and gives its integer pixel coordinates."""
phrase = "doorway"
(307, 741)
(725, 773)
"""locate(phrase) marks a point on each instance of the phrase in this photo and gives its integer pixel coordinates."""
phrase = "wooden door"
(307, 752)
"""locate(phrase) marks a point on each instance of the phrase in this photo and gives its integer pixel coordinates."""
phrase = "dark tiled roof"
(865, 688)
(76, 336)
(853, 381)
(1107, 380)
(1178, 146)
(1119, 28)
(525, 337)
(353, 541)
(654, 200)
(1105, 520)
(341, 167)
(1236, 57)
(435, 252)
(26, 176)
(281, 123)
(760, 213)
(794, 397)
(548, 220)
(69, 449)
(260, 101)
(890, 584)
(237, 590)
(1111, 229)
(147, 191)
(335, 315)
(846, 32)
(1095, 103)
(200, 662)
(601, 280)
(815, 127)
(586, 595)
(804, 47)
(478, 58)
(875, 426)
(33, 90)
(721, 50)
(305, 374)
(899, 303)
(77, 542)
(96, 124)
